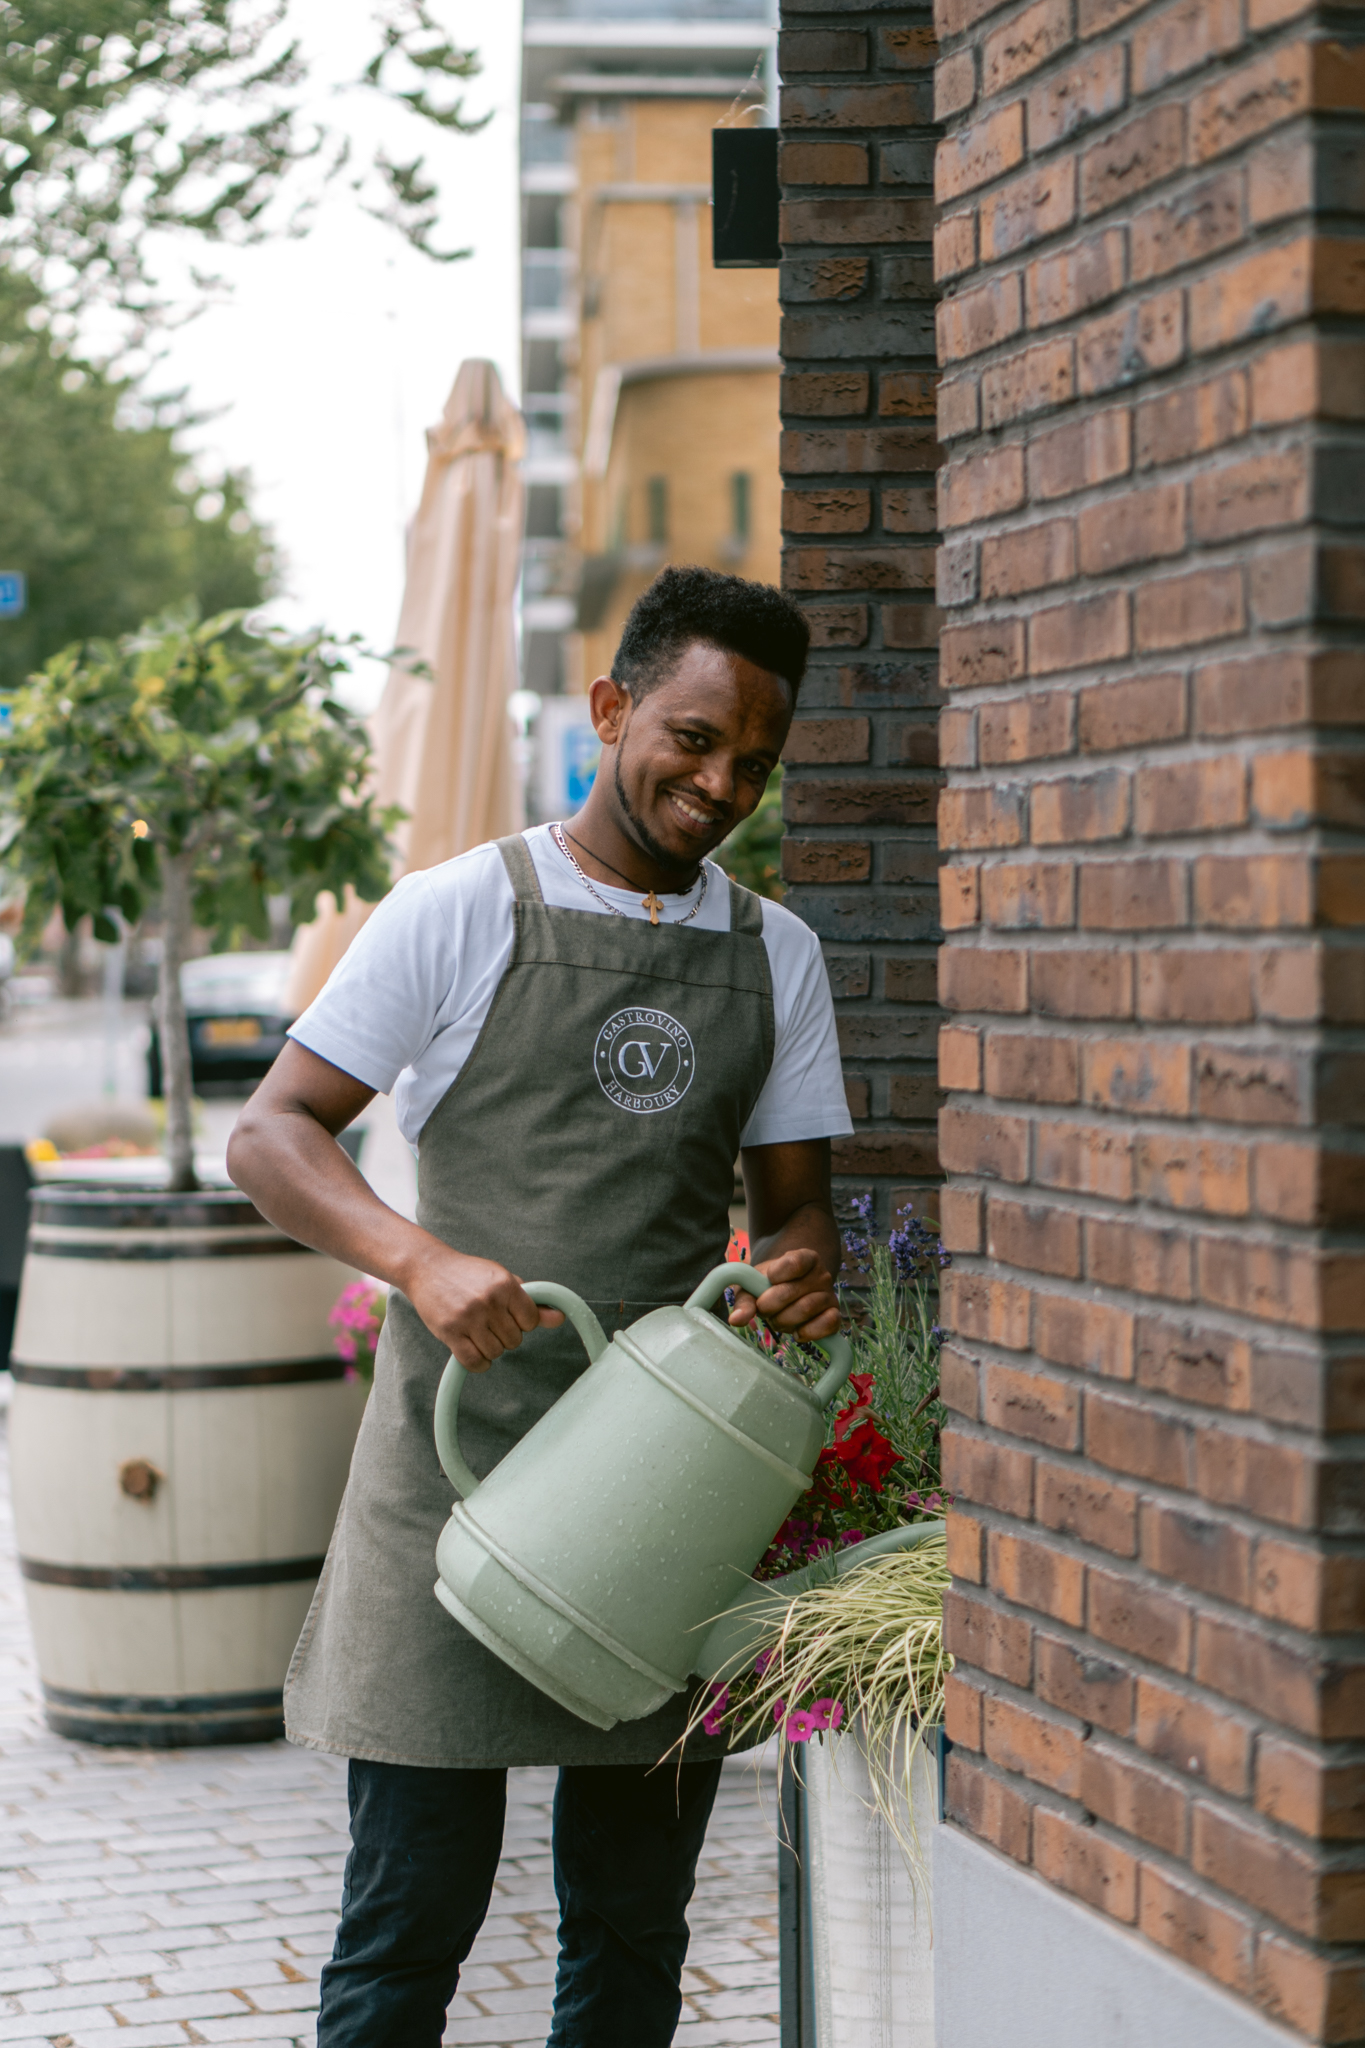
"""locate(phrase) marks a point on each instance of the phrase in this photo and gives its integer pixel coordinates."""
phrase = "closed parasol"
(441, 730)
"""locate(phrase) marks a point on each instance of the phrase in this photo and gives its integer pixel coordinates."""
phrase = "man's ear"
(609, 706)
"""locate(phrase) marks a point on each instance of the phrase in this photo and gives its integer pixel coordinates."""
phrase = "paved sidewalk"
(189, 1896)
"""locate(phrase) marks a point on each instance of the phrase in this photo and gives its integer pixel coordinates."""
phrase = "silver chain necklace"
(649, 901)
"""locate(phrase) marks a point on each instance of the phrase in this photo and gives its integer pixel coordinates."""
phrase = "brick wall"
(858, 456)
(1152, 246)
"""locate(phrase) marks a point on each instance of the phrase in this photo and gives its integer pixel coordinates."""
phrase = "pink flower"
(713, 1719)
(826, 1713)
(779, 1709)
(761, 1662)
(799, 1726)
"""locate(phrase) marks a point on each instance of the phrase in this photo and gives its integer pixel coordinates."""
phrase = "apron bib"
(590, 1138)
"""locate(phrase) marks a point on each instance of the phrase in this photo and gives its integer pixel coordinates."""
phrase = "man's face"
(691, 760)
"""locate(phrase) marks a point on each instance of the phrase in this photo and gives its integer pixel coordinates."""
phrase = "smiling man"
(585, 1024)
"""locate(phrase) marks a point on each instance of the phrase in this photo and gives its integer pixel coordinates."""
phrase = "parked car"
(238, 1017)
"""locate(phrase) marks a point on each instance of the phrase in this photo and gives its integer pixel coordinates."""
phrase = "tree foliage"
(108, 521)
(120, 117)
(197, 739)
(198, 762)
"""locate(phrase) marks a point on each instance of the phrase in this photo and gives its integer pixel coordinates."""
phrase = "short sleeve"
(379, 1009)
(803, 1096)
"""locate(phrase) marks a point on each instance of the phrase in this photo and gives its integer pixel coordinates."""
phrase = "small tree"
(213, 765)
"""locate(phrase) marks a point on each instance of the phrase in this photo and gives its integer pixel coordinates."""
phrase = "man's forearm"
(810, 1228)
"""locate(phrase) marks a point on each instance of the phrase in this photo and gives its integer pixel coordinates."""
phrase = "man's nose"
(715, 777)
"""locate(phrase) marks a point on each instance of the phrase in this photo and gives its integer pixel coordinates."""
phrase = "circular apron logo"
(644, 1060)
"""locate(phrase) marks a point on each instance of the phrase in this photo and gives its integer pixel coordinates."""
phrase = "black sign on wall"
(744, 199)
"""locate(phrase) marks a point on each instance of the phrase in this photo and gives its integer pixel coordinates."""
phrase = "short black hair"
(683, 605)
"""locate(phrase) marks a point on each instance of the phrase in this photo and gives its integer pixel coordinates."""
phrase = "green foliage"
(124, 116)
(227, 748)
(103, 519)
(752, 855)
(896, 1339)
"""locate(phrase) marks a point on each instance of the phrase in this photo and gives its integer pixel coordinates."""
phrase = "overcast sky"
(332, 355)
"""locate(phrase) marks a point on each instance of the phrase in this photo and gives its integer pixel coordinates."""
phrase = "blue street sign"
(13, 593)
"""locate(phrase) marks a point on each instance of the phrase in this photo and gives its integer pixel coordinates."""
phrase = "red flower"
(867, 1457)
(859, 1409)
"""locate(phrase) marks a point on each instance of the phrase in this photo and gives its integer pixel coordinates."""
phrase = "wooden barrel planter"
(181, 1434)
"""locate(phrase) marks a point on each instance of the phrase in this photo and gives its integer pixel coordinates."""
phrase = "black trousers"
(425, 1846)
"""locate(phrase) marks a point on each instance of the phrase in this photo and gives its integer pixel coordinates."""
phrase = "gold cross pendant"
(652, 904)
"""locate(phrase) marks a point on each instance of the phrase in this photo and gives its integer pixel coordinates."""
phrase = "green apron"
(590, 1138)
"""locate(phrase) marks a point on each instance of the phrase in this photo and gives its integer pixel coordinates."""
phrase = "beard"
(637, 830)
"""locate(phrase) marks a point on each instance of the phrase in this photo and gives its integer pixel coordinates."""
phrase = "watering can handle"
(837, 1350)
(548, 1295)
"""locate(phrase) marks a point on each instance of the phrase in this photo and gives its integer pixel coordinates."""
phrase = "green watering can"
(593, 1574)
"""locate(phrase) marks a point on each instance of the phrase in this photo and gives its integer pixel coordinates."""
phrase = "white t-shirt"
(405, 1004)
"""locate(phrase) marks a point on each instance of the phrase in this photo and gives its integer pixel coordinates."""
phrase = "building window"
(740, 488)
(656, 495)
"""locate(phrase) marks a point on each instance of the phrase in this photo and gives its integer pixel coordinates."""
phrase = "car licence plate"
(231, 1030)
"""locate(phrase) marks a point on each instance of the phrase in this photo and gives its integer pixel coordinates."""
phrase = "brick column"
(858, 456)
(1152, 245)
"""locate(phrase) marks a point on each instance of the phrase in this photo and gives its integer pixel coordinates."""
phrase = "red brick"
(1196, 1736)
(1131, 158)
(1026, 728)
(1093, 1509)
(954, 84)
(1025, 1067)
(959, 1059)
(1089, 1335)
(1194, 1363)
(1076, 98)
(1250, 1087)
(824, 163)
(1191, 421)
(1130, 1796)
(1199, 222)
(982, 657)
(1136, 1074)
(1084, 1159)
(1198, 1174)
(1201, 1552)
(1185, 611)
(989, 1809)
(1249, 497)
(1277, 1482)
(1135, 1617)
(1032, 894)
(1031, 1405)
(1080, 633)
(803, 222)
(1129, 1437)
(1183, 38)
(1141, 338)
(1267, 1872)
(1298, 1788)
(1179, 1917)
(970, 819)
(825, 860)
(987, 1637)
(960, 1213)
(986, 1310)
(1207, 795)
(1137, 527)
(1134, 895)
(983, 978)
(1266, 892)
(959, 890)
(1324, 2000)
(1031, 207)
(1083, 1863)
(1045, 1751)
(1028, 558)
(1133, 1255)
(1090, 982)
(1092, 1688)
(1263, 290)
(1235, 1657)
(1196, 986)
(1071, 282)
(1027, 41)
(1137, 713)
(1247, 101)
(961, 1704)
(980, 152)
(830, 511)
(990, 1474)
(1031, 382)
(1034, 1574)
(830, 393)
(1072, 458)
(982, 488)
(1079, 808)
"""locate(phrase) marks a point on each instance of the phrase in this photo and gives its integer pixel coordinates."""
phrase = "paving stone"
(138, 1883)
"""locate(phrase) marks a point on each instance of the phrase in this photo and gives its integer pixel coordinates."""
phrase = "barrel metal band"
(800, 1480)
(524, 1577)
(171, 1578)
(165, 1703)
(62, 1241)
(153, 1379)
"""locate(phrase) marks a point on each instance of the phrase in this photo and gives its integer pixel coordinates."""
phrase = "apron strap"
(746, 911)
(521, 869)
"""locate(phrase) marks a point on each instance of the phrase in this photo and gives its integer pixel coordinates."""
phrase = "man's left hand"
(799, 1299)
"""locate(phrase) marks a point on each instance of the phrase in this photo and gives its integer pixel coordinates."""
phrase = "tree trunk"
(175, 1036)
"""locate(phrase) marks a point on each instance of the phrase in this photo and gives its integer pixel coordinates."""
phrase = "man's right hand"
(476, 1308)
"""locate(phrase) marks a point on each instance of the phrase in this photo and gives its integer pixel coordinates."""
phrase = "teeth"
(702, 817)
